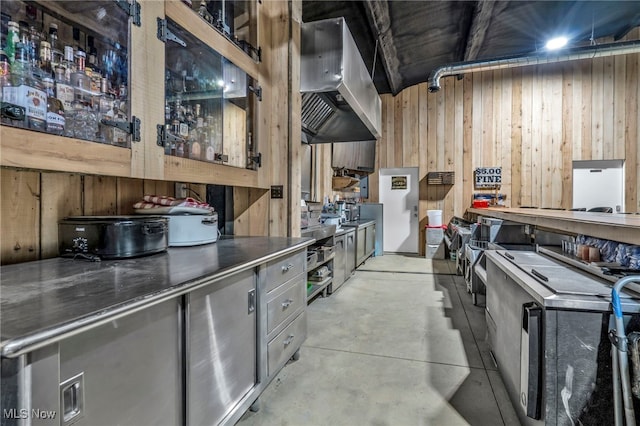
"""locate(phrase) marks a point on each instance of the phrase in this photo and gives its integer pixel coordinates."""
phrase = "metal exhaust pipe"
(588, 52)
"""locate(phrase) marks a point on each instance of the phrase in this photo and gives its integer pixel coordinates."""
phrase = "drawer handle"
(288, 340)
(286, 304)
(286, 268)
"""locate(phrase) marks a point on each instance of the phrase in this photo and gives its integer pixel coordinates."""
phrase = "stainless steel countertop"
(596, 293)
(345, 230)
(47, 300)
(359, 223)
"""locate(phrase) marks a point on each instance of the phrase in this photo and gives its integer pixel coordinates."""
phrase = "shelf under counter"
(317, 287)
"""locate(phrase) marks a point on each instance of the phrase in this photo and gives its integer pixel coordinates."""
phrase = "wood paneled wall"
(531, 121)
(321, 184)
(33, 201)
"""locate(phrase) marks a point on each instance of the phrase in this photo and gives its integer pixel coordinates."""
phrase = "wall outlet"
(277, 191)
(180, 190)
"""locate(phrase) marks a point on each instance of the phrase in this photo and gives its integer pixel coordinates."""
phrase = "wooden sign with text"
(488, 177)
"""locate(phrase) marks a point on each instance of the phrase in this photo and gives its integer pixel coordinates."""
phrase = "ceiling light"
(556, 43)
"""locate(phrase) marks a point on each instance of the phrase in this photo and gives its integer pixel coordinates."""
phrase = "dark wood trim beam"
(484, 12)
(624, 31)
(380, 20)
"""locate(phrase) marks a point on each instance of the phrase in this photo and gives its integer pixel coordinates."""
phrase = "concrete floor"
(400, 343)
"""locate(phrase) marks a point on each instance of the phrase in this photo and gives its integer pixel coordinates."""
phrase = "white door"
(399, 196)
(598, 183)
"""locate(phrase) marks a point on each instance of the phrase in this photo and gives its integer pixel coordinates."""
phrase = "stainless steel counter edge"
(12, 348)
(359, 224)
(549, 299)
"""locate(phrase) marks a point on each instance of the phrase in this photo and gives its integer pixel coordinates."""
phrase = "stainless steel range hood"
(339, 101)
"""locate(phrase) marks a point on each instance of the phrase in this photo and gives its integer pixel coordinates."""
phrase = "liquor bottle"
(63, 71)
(35, 37)
(175, 131)
(55, 110)
(209, 152)
(107, 104)
(24, 35)
(80, 82)
(6, 92)
(5, 71)
(85, 119)
(57, 55)
(27, 90)
(204, 13)
(45, 59)
(197, 135)
(92, 69)
(120, 137)
(13, 37)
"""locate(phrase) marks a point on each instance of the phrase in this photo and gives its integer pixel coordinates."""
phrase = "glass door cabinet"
(210, 104)
(64, 69)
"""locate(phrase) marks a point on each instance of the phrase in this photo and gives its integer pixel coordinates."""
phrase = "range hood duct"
(575, 54)
(339, 100)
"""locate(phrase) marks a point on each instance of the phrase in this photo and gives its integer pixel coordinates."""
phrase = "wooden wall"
(32, 201)
(321, 181)
(531, 121)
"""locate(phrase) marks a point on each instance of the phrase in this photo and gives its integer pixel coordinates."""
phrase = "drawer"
(284, 345)
(283, 269)
(286, 302)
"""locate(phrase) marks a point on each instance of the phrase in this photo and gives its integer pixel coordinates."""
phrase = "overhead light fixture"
(556, 43)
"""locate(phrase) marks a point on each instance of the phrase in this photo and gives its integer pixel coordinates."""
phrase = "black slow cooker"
(113, 237)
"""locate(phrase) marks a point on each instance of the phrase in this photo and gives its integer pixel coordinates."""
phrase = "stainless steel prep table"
(545, 321)
(107, 329)
(44, 301)
(364, 246)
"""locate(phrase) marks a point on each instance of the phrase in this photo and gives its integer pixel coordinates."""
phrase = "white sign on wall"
(488, 177)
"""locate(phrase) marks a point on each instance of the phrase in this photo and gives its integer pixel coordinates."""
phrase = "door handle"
(251, 301)
(287, 267)
(72, 399)
(286, 304)
(531, 360)
(288, 340)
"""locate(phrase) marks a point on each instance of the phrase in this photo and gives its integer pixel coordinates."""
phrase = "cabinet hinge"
(132, 9)
(257, 159)
(165, 34)
(254, 52)
(221, 157)
(132, 128)
(257, 90)
(166, 138)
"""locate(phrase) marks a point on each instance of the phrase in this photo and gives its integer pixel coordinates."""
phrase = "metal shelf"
(320, 263)
(318, 287)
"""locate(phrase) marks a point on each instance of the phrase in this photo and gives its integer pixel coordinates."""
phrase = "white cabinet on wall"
(598, 183)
